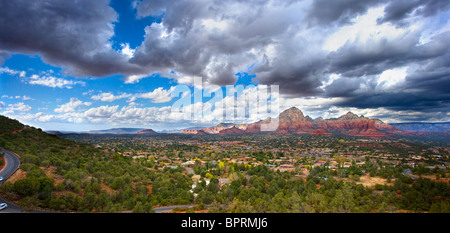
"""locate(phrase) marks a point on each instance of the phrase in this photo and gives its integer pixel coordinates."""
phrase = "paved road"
(12, 164)
(408, 172)
(169, 208)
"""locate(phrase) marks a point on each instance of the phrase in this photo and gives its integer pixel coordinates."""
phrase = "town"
(372, 163)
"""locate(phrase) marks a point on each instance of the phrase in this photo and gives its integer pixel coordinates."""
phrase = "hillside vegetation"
(9, 125)
(64, 175)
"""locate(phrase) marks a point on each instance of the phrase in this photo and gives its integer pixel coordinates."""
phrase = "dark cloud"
(432, 79)
(356, 59)
(370, 58)
(345, 87)
(397, 11)
(72, 34)
(424, 89)
(211, 39)
(401, 101)
(298, 78)
(324, 12)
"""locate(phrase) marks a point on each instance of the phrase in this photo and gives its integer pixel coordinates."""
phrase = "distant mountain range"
(105, 131)
(292, 121)
(116, 131)
(423, 127)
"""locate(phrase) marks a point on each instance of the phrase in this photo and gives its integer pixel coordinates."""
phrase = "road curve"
(408, 172)
(11, 166)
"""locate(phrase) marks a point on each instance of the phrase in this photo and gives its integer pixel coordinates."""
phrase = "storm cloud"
(312, 48)
(397, 11)
(71, 34)
(339, 11)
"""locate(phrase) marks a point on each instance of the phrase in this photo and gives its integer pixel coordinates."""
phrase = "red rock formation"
(320, 132)
(292, 121)
(201, 132)
(254, 128)
(231, 131)
(216, 129)
(147, 131)
(351, 124)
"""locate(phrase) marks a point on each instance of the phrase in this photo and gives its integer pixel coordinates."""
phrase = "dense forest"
(64, 175)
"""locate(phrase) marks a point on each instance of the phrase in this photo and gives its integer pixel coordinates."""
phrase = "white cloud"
(365, 28)
(134, 78)
(159, 95)
(70, 106)
(100, 112)
(41, 117)
(392, 77)
(212, 24)
(109, 97)
(88, 92)
(126, 50)
(6, 70)
(21, 107)
(51, 81)
(17, 97)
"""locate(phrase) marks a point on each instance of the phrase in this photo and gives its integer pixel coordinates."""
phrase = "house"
(286, 167)
(138, 156)
(319, 163)
(359, 164)
(188, 164)
(223, 181)
(127, 153)
(196, 178)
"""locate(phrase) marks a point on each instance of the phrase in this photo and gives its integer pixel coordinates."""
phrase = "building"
(286, 168)
(188, 164)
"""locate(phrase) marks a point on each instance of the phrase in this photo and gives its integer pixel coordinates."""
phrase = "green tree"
(213, 186)
(138, 208)
(27, 186)
(237, 206)
(205, 197)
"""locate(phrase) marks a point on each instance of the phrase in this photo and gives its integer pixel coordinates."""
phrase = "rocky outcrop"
(354, 125)
(320, 132)
(201, 132)
(147, 132)
(216, 129)
(292, 121)
(231, 131)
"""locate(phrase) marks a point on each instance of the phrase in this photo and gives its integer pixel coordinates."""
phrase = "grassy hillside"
(64, 175)
(8, 125)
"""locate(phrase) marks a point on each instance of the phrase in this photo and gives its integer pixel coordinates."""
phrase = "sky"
(85, 65)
